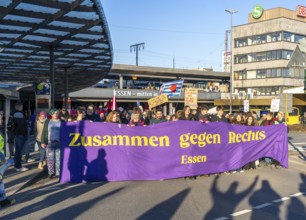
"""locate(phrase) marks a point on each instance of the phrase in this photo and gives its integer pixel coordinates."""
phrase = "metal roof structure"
(38, 37)
(146, 72)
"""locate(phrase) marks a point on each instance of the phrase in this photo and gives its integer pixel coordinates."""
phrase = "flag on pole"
(114, 100)
(173, 88)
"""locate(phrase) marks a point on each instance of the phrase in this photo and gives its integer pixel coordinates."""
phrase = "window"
(242, 74)
(274, 55)
(261, 56)
(251, 57)
(269, 55)
(274, 91)
(287, 36)
(268, 72)
(242, 42)
(298, 38)
(263, 39)
(268, 91)
(286, 72)
(241, 59)
(236, 75)
(250, 40)
(269, 38)
(261, 74)
(251, 74)
(273, 73)
(278, 72)
(287, 54)
(278, 54)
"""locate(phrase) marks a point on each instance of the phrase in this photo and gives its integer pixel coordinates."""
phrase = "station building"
(267, 56)
(268, 60)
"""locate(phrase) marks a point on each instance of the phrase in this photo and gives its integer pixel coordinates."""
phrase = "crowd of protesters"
(46, 127)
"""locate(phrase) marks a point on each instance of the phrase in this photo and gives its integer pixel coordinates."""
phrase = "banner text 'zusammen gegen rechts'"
(105, 151)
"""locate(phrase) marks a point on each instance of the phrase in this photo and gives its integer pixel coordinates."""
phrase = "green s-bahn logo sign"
(257, 11)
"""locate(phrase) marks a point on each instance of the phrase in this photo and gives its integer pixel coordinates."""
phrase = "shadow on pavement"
(166, 209)
(262, 203)
(55, 196)
(301, 154)
(11, 173)
(220, 199)
(73, 211)
(296, 209)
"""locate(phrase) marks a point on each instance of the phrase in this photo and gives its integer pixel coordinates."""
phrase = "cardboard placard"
(191, 98)
(158, 100)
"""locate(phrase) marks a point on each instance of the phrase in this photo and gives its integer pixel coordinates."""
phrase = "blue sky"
(191, 31)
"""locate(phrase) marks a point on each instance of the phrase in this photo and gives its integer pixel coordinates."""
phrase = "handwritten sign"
(158, 100)
(191, 98)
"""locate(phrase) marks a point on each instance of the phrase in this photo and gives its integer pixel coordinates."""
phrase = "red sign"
(301, 11)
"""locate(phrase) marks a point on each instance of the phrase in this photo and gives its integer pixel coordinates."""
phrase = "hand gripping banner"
(96, 151)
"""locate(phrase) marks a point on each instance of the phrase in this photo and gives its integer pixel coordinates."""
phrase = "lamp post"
(231, 12)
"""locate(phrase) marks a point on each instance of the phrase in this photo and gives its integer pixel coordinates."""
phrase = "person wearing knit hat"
(43, 113)
(52, 111)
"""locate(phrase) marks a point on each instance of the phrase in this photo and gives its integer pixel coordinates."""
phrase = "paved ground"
(265, 193)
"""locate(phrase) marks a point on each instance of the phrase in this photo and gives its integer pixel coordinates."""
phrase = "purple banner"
(96, 151)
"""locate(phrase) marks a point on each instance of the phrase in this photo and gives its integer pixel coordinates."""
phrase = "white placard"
(246, 105)
(274, 105)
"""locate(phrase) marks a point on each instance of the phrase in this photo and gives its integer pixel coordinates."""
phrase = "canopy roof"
(76, 31)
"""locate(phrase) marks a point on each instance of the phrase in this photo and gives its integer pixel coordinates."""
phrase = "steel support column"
(52, 73)
(66, 88)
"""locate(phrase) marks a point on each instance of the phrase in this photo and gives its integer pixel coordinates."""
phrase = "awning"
(75, 30)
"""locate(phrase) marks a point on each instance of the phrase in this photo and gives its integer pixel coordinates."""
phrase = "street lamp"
(231, 12)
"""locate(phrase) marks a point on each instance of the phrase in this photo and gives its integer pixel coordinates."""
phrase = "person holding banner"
(239, 119)
(203, 114)
(178, 114)
(159, 117)
(250, 121)
(90, 114)
(138, 111)
(269, 121)
(50, 139)
(113, 117)
(186, 115)
(219, 117)
(80, 114)
(135, 121)
(280, 119)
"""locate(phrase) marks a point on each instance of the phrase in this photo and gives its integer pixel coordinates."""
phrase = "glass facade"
(263, 56)
(262, 91)
(268, 38)
(270, 73)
